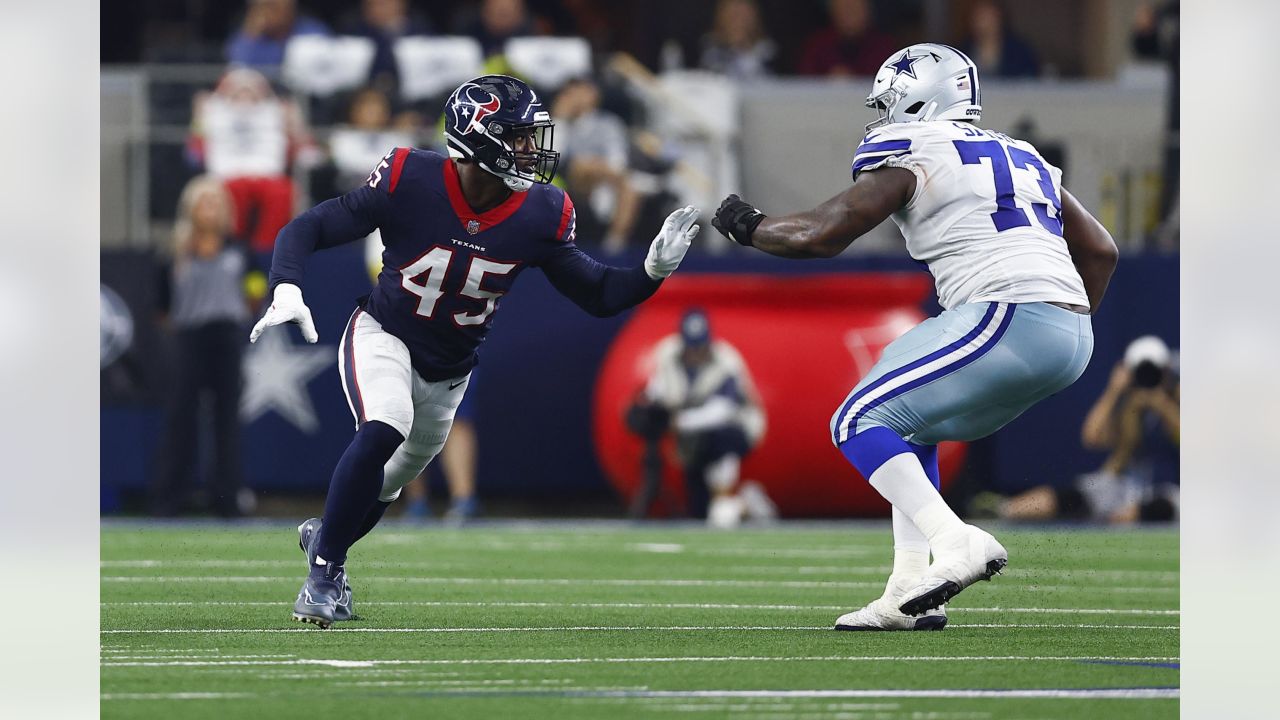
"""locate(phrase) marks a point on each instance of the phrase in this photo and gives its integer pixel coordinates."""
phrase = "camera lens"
(1147, 374)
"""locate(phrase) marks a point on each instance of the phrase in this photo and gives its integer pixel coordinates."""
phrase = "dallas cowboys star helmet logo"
(905, 65)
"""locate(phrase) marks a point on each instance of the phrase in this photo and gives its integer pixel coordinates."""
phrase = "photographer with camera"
(1136, 420)
(701, 393)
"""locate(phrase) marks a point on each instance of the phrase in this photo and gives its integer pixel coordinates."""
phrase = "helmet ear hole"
(915, 107)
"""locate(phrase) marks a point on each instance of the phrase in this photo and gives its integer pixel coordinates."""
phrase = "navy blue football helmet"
(485, 120)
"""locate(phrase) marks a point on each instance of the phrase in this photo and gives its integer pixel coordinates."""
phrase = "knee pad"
(409, 460)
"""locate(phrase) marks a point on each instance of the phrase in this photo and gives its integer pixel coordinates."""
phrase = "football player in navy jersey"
(457, 231)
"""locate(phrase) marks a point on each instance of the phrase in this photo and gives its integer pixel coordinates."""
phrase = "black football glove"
(737, 220)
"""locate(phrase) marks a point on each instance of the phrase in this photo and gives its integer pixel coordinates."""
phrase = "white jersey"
(986, 214)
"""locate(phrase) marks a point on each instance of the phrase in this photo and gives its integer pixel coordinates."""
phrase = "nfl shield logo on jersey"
(473, 226)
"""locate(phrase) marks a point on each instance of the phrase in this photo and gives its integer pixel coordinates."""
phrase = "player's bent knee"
(722, 474)
(399, 418)
(833, 424)
(406, 464)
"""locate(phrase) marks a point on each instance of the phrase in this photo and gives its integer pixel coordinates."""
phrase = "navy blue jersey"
(446, 267)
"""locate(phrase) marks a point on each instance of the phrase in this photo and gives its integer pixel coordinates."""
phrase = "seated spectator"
(496, 22)
(369, 135)
(267, 27)
(593, 149)
(850, 46)
(208, 314)
(1137, 420)
(702, 392)
(384, 22)
(737, 45)
(246, 136)
(994, 47)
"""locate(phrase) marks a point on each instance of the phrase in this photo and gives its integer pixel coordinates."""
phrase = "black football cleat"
(318, 599)
(308, 539)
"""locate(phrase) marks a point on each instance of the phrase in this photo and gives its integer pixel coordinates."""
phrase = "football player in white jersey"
(1019, 265)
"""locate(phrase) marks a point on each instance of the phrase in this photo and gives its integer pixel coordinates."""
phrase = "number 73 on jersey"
(1002, 157)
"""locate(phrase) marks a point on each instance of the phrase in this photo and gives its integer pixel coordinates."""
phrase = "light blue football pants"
(967, 372)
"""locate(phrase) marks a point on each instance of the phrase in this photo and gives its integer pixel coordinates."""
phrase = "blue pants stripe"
(908, 387)
(931, 357)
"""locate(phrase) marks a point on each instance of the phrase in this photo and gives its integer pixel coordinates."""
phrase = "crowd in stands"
(739, 38)
(372, 76)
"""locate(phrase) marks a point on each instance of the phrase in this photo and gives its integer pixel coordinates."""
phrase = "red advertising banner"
(807, 340)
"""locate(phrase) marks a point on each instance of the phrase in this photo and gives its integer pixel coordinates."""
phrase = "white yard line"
(646, 660)
(625, 582)
(585, 692)
(611, 628)
(1072, 693)
(779, 570)
(181, 696)
(621, 605)
(197, 656)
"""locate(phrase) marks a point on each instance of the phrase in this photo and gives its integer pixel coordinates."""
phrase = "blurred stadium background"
(677, 102)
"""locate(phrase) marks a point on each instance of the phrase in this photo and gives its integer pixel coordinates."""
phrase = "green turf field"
(614, 621)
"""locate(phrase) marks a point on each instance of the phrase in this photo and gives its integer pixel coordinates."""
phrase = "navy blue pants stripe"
(975, 332)
(962, 362)
(349, 367)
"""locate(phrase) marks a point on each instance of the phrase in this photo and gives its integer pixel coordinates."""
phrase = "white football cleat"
(882, 614)
(756, 502)
(725, 512)
(961, 557)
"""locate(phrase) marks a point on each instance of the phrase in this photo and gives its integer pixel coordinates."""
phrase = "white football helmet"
(926, 82)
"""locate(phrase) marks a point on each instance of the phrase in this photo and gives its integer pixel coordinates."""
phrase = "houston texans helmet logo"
(472, 105)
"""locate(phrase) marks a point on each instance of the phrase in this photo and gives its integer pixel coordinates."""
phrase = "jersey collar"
(466, 215)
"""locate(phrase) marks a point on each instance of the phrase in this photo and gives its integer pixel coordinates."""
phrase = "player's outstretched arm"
(826, 230)
(329, 224)
(603, 290)
(1092, 249)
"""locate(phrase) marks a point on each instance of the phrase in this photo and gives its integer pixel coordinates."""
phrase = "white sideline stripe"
(658, 660)
(1019, 572)
(607, 628)
(609, 581)
(1074, 694)
(966, 626)
(669, 606)
(202, 656)
(651, 547)
(180, 696)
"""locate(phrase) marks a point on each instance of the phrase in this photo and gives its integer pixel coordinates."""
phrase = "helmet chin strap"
(517, 184)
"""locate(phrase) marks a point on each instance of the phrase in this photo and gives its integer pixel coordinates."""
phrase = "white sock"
(902, 481)
(910, 547)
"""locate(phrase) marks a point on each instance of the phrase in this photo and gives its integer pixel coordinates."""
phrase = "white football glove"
(287, 306)
(672, 242)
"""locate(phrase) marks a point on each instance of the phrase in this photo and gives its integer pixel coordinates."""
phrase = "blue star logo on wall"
(905, 65)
